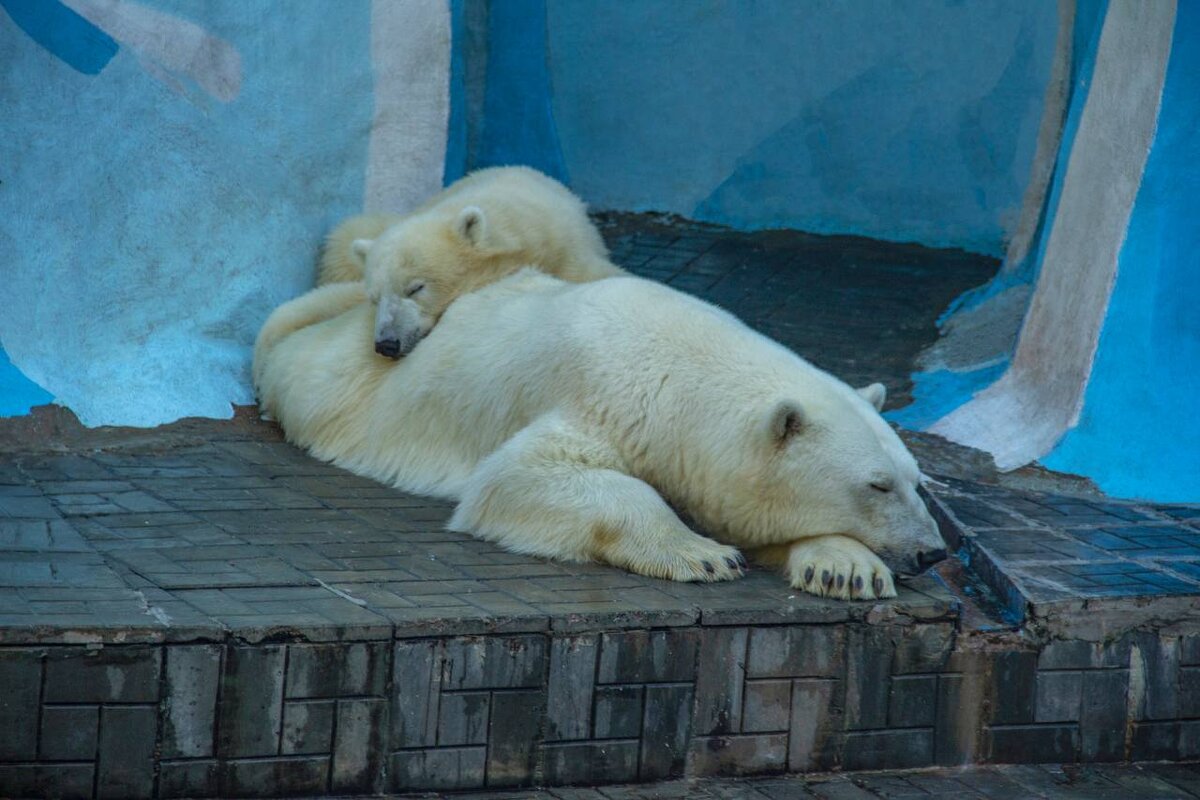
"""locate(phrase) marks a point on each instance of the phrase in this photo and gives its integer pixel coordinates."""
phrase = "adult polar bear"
(568, 420)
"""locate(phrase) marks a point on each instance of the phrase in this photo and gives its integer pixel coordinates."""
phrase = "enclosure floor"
(1031, 782)
(234, 527)
(141, 569)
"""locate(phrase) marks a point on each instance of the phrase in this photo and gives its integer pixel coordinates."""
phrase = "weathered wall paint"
(154, 212)
(171, 49)
(76, 42)
(1139, 433)
(1024, 414)
(898, 120)
(998, 308)
(518, 125)
(410, 57)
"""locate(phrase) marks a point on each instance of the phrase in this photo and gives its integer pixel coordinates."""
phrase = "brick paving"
(1050, 555)
(203, 610)
(250, 537)
(1051, 782)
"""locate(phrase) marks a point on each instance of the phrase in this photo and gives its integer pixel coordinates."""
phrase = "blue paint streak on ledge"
(71, 38)
(936, 394)
(18, 394)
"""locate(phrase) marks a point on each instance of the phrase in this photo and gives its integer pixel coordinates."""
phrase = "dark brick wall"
(464, 712)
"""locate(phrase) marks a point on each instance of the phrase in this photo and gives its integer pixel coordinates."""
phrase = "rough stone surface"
(193, 675)
(252, 703)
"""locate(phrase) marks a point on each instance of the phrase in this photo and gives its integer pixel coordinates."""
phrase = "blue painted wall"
(147, 227)
(1139, 432)
(937, 393)
(897, 120)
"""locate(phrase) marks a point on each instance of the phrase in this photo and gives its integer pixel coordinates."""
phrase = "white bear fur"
(569, 420)
(479, 229)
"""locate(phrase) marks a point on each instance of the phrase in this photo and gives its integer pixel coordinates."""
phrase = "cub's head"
(833, 466)
(416, 268)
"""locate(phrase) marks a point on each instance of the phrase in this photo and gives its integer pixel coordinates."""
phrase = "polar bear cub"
(481, 228)
(569, 420)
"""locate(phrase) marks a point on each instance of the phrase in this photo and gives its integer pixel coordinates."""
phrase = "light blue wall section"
(147, 227)
(938, 393)
(1089, 20)
(1139, 431)
(911, 120)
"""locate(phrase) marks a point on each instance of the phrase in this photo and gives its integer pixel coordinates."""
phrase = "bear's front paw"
(701, 559)
(840, 567)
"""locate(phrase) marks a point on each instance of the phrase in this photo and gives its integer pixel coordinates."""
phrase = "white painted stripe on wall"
(410, 56)
(1023, 415)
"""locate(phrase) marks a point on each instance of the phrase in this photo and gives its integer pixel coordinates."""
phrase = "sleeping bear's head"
(830, 464)
(417, 267)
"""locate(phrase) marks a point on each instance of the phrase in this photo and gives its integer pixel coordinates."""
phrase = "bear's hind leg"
(831, 566)
(316, 305)
(553, 491)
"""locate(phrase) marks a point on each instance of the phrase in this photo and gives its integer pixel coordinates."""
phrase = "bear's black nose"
(388, 347)
(927, 558)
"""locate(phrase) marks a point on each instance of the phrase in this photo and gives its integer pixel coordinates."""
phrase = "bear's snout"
(388, 348)
(927, 558)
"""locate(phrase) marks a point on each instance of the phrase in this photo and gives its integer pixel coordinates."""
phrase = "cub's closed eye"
(881, 487)
(412, 290)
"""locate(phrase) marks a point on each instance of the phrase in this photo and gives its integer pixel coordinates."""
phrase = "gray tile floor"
(1027, 782)
(223, 527)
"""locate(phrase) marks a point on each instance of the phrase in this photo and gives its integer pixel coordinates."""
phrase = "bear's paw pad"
(840, 568)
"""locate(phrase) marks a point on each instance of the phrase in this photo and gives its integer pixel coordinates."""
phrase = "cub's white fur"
(569, 420)
(481, 228)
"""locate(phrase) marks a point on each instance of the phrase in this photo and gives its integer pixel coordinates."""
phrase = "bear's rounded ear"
(875, 394)
(787, 419)
(471, 225)
(359, 248)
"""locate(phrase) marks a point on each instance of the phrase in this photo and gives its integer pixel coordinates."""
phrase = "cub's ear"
(359, 248)
(787, 419)
(471, 225)
(875, 394)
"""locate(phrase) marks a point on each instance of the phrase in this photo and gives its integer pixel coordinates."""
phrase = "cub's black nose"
(389, 348)
(927, 558)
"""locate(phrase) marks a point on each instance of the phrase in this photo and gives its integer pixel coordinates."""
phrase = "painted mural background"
(168, 169)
